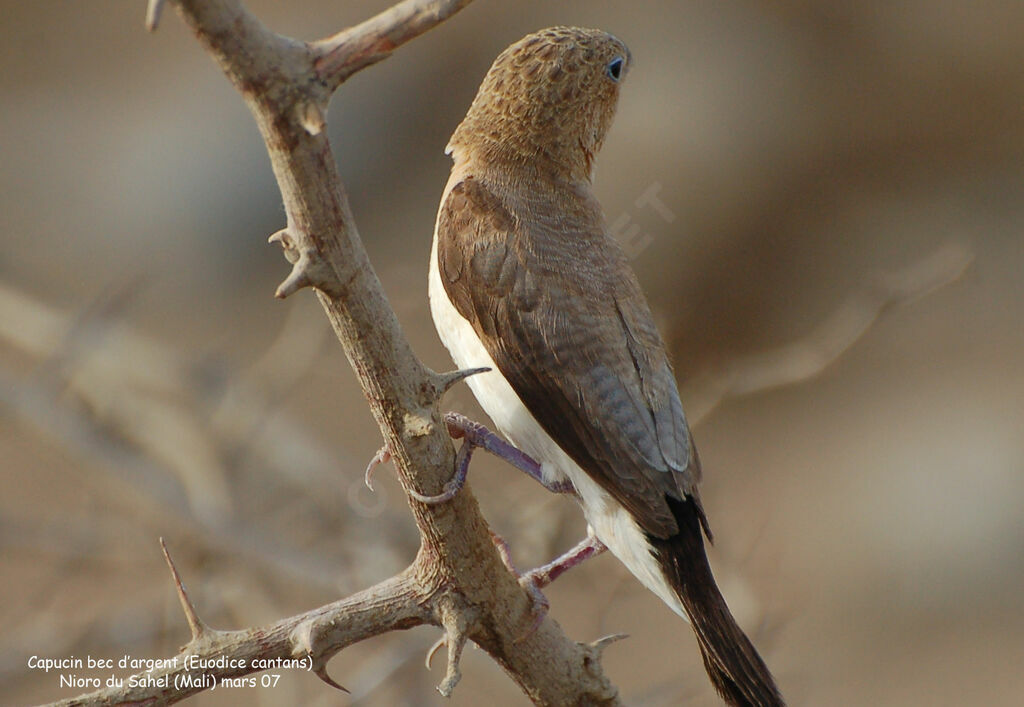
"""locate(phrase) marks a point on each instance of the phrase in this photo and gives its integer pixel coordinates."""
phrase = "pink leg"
(542, 576)
(536, 579)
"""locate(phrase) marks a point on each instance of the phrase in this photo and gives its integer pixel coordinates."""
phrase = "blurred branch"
(109, 400)
(135, 394)
(805, 358)
(457, 581)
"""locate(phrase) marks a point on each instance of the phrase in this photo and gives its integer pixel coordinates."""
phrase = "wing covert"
(570, 330)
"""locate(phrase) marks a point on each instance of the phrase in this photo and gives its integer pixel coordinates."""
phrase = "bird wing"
(561, 314)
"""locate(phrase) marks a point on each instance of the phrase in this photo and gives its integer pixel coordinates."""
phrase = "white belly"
(608, 520)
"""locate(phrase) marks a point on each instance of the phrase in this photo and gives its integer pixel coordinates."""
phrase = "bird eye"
(614, 69)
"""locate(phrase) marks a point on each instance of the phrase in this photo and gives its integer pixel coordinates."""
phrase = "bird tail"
(732, 662)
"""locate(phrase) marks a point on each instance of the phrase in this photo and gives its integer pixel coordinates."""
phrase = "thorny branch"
(307, 640)
(457, 581)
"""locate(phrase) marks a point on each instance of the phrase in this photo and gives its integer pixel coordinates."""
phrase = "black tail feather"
(732, 662)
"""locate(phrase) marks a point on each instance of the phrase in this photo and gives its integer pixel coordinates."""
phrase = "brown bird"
(526, 280)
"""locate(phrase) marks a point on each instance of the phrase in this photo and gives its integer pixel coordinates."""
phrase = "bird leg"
(536, 579)
(473, 435)
(544, 575)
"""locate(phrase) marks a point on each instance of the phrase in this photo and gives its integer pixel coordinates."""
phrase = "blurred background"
(824, 201)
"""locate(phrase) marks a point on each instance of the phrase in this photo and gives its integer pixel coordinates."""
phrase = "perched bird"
(525, 279)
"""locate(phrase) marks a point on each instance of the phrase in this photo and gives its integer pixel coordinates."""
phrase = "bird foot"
(539, 606)
(473, 435)
(455, 484)
(451, 488)
(536, 579)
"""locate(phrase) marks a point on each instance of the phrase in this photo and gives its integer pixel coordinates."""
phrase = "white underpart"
(608, 520)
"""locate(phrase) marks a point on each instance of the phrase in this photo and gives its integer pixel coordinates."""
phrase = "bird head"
(546, 104)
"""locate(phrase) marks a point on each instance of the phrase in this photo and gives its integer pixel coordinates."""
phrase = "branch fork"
(457, 581)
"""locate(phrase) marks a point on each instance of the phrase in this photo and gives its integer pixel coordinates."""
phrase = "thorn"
(595, 650)
(287, 241)
(444, 381)
(302, 644)
(153, 10)
(296, 280)
(320, 670)
(282, 237)
(600, 644)
(311, 118)
(309, 269)
(383, 456)
(194, 622)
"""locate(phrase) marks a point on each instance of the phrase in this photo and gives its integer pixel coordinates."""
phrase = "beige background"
(869, 523)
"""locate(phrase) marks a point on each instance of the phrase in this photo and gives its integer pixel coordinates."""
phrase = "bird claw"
(455, 484)
(383, 456)
(450, 490)
(534, 580)
(531, 583)
(438, 645)
(539, 605)
(504, 552)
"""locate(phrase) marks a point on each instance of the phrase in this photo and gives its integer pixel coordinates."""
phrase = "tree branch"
(358, 47)
(305, 641)
(457, 580)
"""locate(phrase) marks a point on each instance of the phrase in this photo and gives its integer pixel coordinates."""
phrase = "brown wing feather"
(562, 315)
